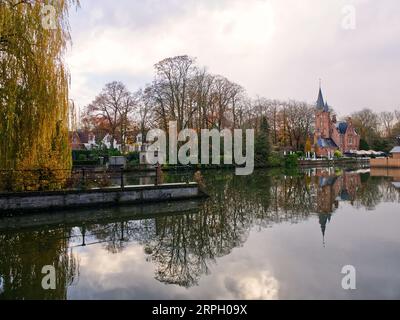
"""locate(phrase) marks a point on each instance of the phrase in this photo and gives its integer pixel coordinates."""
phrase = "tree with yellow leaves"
(34, 85)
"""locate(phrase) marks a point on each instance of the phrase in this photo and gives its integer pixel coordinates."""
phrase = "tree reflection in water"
(183, 247)
(24, 254)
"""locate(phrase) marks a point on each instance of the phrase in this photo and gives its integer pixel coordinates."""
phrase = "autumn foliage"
(34, 87)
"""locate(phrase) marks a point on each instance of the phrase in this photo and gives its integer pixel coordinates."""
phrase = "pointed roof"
(326, 143)
(320, 101)
(342, 127)
(321, 105)
(324, 219)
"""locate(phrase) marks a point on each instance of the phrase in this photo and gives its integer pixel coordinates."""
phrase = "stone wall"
(334, 162)
(94, 198)
(102, 215)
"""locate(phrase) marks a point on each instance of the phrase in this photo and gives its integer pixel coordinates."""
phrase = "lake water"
(267, 236)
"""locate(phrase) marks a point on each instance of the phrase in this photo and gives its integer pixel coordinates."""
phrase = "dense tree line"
(377, 130)
(187, 93)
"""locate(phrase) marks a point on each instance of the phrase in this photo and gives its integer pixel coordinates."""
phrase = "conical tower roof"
(321, 104)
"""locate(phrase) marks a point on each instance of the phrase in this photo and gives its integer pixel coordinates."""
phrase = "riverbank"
(45, 201)
(365, 162)
(70, 218)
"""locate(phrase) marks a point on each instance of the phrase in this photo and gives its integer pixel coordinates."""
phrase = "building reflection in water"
(183, 246)
(393, 174)
(332, 187)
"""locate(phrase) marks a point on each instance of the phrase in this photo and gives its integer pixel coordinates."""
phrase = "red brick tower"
(322, 119)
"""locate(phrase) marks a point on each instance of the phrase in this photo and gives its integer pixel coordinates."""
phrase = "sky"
(278, 49)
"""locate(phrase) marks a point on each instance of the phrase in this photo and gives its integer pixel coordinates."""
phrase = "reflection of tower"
(326, 193)
(324, 219)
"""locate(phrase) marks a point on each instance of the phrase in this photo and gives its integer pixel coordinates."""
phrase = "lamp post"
(158, 168)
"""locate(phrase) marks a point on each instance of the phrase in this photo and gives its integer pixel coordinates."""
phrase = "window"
(350, 140)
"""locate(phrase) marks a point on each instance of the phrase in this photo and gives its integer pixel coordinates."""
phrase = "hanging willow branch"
(33, 86)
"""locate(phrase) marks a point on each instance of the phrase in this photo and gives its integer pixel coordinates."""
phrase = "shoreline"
(22, 202)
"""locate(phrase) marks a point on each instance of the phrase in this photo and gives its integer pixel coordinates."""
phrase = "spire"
(324, 219)
(321, 104)
(326, 108)
(320, 101)
(323, 228)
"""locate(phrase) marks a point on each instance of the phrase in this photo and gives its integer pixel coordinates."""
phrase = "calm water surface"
(266, 236)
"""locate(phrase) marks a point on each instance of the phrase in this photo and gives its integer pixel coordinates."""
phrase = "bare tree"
(171, 88)
(299, 117)
(387, 120)
(194, 98)
(366, 123)
(397, 114)
(144, 114)
(112, 107)
(203, 84)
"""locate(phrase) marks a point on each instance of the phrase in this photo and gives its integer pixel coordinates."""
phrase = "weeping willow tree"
(34, 87)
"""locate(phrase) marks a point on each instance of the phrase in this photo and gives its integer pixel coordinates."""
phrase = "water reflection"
(22, 257)
(182, 245)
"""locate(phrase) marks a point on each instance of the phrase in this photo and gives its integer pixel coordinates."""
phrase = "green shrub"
(275, 160)
(291, 161)
(82, 157)
(81, 154)
(338, 154)
(300, 154)
(114, 153)
(364, 145)
(133, 158)
(262, 145)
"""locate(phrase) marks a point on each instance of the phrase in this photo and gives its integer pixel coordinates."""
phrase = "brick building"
(331, 135)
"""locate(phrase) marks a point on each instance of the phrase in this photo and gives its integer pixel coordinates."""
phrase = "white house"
(91, 142)
(107, 142)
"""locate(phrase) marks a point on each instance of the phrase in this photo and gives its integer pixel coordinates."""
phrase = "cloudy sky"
(274, 48)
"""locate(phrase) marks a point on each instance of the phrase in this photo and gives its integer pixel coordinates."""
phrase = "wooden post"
(83, 178)
(83, 232)
(158, 174)
(122, 179)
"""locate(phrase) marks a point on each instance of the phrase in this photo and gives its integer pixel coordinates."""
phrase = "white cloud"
(278, 49)
(255, 286)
